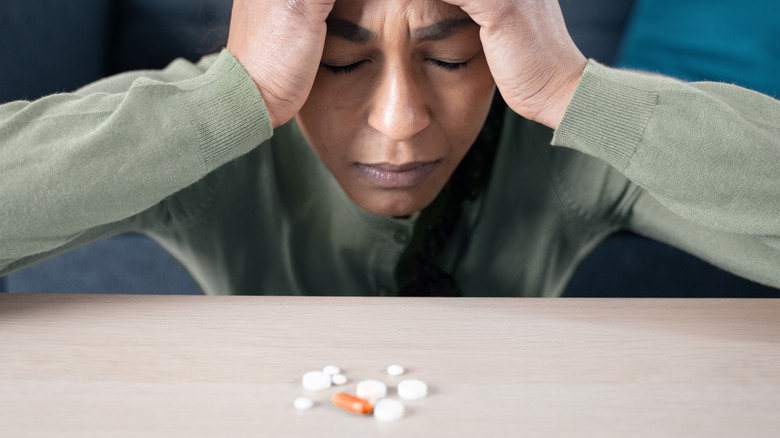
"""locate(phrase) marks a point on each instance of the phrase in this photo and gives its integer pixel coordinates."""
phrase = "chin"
(394, 205)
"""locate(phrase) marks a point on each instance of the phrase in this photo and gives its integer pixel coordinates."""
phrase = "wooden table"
(190, 366)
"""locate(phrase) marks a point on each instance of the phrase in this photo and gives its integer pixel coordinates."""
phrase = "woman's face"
(400, 96)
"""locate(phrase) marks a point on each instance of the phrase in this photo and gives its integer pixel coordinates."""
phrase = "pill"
(412, 389)
(395, 370)
(371, 389)
(338, 379)
(316, 381)
(351, 403)
(388, 409)
(331, 370)
(303, 403)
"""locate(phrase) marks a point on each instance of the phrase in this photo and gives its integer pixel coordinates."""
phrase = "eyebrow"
(435, 32)
(441, 30)
(349, 31)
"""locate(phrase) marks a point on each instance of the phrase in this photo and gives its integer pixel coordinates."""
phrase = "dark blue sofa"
(50, 46)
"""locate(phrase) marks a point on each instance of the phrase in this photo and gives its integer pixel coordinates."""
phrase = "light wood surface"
(189, 366)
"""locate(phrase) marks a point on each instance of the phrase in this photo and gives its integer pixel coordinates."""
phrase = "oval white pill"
(316, 381)
(395, 370)
(303, 403)
(371, 389)
(412, 389)
(388, 409)
(331, 370)
(338, 379)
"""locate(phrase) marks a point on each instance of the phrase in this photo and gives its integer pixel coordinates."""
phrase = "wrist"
(554, 106)
(255, 75)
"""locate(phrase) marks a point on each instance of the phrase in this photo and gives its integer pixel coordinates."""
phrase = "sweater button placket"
(401, 237)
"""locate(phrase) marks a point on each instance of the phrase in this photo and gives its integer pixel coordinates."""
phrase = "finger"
(480, 11)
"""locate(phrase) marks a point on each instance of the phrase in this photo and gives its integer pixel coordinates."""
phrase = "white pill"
(395, 370)
(338, 379)
(412, 389)
(316, 381)
(388, 409)
(371, 390)
(331, 370)
(303, 403)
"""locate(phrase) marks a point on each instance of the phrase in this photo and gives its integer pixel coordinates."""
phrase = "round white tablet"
(331, 370)
(412, 389)
(316, 381)
(303, 403)
(395, 370)
(371, 389)
(388, 409)
(338, 379)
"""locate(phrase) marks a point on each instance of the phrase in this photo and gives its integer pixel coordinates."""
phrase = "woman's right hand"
(279, 43)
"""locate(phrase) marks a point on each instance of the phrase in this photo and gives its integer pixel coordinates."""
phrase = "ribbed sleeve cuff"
(225, 107)
(607, 115)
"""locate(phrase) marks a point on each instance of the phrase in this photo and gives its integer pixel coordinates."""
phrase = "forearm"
(708, 152)
(750, 256)
(75, 162)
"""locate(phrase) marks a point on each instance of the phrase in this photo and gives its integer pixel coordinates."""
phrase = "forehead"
(413, 12)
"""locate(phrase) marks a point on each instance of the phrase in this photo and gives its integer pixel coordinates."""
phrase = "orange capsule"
(351, 403)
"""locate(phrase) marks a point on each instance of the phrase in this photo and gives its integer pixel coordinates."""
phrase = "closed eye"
(447, 65)
(342, 69)
(349, 68)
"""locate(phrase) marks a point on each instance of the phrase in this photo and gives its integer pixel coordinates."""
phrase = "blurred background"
(50, 46)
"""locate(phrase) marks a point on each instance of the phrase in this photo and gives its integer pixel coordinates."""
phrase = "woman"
(356, 147)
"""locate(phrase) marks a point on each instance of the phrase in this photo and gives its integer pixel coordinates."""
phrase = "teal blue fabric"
(719, 40)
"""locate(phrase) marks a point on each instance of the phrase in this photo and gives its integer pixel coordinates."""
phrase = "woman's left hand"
(530, 53)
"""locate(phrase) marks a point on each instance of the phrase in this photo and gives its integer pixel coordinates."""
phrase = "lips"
(393, 176)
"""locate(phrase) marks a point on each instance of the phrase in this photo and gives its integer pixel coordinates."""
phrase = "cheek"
(326, 120)
(465, 104)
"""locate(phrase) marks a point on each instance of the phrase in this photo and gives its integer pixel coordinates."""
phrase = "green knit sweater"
(187, 156)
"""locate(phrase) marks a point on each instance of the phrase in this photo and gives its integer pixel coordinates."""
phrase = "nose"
(399, 110)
